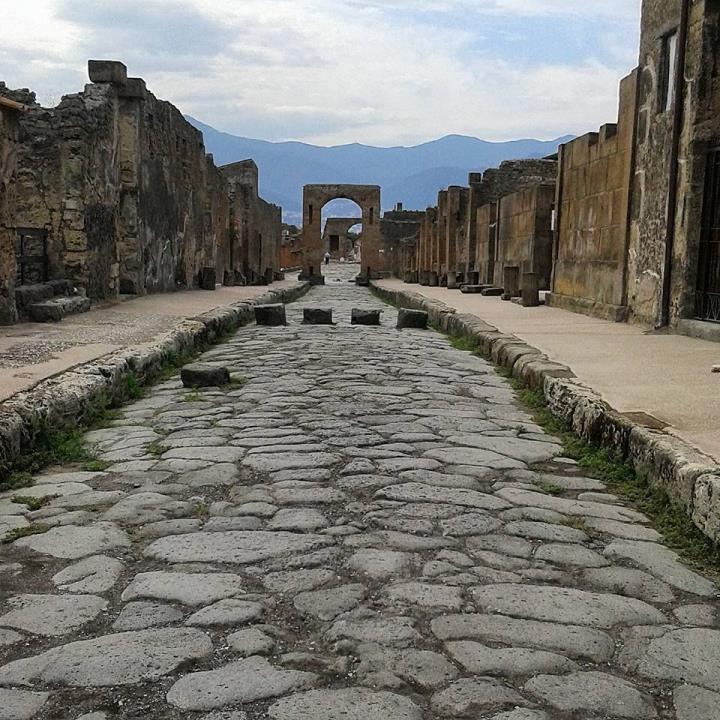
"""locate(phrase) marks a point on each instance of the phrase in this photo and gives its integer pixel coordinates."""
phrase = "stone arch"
(315, 198)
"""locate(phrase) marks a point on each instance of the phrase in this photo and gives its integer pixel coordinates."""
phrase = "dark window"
(31, 256)
(668, 71)
(334, 243)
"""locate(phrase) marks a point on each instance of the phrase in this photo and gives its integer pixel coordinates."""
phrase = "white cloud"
(327, 71)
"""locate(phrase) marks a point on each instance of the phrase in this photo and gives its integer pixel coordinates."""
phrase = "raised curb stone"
(199, 375)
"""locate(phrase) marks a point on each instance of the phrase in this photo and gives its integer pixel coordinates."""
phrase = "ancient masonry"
(112, 192)
(621, 223)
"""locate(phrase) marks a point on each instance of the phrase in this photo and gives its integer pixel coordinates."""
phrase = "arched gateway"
(315, 197)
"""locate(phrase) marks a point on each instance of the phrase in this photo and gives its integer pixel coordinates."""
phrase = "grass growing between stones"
(33, 503)
(671, 521)
(18, 533)
(608, 466)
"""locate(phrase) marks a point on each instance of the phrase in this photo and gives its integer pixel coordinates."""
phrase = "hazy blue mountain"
(411, 175)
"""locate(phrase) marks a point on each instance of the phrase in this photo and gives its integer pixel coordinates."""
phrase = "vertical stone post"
(530, 290)
(511, 282)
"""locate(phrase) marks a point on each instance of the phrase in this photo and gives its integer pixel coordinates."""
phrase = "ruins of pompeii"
(410, 464)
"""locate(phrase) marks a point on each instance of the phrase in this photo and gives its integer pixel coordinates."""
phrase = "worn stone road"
(369, 529)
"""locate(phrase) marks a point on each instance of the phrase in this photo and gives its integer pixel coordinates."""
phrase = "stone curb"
(68, 399)
(690, 478)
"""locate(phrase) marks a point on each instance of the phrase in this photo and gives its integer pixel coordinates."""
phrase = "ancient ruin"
(362, 499)
(113, 194)
(315, 197)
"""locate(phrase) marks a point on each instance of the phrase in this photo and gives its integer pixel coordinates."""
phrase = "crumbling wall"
(486, 242)
(9, 133)
(593, 195)
(400, 235)
(525, 233)
(68, 186)
(256, 226)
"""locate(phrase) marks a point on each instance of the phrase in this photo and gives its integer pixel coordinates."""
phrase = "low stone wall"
(691, 479)
(73, 397)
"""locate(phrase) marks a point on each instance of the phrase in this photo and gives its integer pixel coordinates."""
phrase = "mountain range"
(411, 175)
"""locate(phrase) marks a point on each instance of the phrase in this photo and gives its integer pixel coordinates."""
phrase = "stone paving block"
(271, 315)
(317, 316)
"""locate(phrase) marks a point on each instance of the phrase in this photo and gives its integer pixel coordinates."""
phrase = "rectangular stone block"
(317, 316)
(133, 88)
(530, 290)
(204, 375)
(473, 289)
(207, 278)
(492, 292)
(272, 315)
(365, 317)
(511, 282)
(107, 71)
(412, 319)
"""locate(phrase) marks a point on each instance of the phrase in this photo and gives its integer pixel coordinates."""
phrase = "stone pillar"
(433, 279)
(451, 280)
(511, 282)
(530, 290)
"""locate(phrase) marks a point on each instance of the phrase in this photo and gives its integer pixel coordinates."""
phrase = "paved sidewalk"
(370, 528)
(666, 376)
(32, 352)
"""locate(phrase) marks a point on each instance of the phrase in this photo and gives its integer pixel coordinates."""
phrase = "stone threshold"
(68, 399)
(690, 478)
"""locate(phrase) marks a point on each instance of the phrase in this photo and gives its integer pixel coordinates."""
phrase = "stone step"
(56, 309)
(26, 295)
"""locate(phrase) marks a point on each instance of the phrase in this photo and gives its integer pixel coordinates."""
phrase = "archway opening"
(341, 229)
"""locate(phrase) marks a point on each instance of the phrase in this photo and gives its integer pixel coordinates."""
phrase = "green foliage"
(18, 533)
(157, 448)
(33, 503)
(672, 522)
(96, 465)
(550, 488)
(132, 389)
(18, 479)
(192, 396)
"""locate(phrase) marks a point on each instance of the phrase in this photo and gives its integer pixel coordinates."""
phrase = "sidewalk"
(665, 376)
(32, 352)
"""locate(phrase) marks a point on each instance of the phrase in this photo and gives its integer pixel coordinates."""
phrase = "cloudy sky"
(384, 72)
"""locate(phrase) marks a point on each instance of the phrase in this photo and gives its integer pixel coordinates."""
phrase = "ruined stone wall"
(486, 242)
(593, 195)
(68, 185)
(256, 226)
(513, 175)
(525, 233)
(121, 184)
(700, 133)
(9, 133)
(400, 236)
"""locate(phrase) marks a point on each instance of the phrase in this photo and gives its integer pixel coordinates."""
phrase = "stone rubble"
(358, 532)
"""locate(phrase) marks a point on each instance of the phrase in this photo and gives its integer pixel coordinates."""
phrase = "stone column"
(511, 282)
(530, 290)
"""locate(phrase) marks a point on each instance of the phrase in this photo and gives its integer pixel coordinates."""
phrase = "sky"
(381, 72)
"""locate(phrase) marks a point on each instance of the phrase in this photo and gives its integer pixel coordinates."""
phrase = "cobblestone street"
(368, 528)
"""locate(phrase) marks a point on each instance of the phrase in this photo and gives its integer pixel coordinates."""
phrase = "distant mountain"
(411, 175)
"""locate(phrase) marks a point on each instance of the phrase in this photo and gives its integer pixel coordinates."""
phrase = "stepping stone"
(317, 316)
(412, 319)
(271, 315)
(241, 682)
(365, 317)
(197, 375)
(350, 704)
(119, 659)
